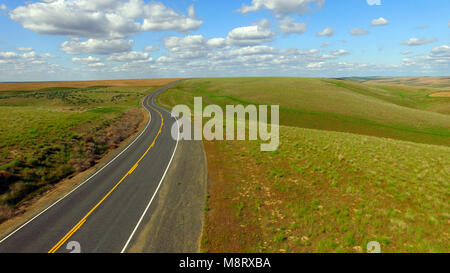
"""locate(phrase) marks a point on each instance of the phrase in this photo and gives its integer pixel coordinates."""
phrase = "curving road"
(104, 212)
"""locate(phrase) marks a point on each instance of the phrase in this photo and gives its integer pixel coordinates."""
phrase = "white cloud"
(358, 31)
(340, 52)
(99, 64)
(407, 52)
(158, 18)
(288, 25)
(253, 50)
(217, 42)
(250, 35)
(131, 56)
(93, 46)
(24, 61)
(328, 31)
(188, 47)
(417, 41)
(379, 22)
(438, 57)
(3, 7)
(374, 2)
(280, 7)
(441, 54)
(315, 66)
(73, 18)
(8, 56)
(109, 19)
(89, 59)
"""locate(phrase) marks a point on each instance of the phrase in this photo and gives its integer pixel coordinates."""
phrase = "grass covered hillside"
(53, 133)
(356, 163)
(330, 105)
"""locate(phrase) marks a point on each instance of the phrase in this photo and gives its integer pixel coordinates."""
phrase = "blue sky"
(116, 39)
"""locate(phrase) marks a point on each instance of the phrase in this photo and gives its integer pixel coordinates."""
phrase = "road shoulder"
(175, 224)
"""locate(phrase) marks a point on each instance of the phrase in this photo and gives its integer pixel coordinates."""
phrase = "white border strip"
(156, 191)
(19, 228)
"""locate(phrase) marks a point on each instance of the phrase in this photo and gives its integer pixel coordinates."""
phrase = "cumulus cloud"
(374, 2)
(251, 35)
(98, 64)
(3, 7)
(110, 19)
(8, 56)
(438, 57)
(288, 25)
(217, 42)
(315, 66)
(358, 31)
(340, 52)
(26, 58)
(417, 41)
(280, 7)
(89, 59)
(379, 22)
(253, 50)
(94, 46)
(131, 56)
(158, 18)
(189, 47)
(328, 31)
(441, 54)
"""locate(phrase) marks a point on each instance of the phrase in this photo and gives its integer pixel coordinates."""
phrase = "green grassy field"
(377, 168)
(50, 134)
(330, 105)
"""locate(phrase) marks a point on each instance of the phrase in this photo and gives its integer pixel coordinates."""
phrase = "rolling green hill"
(354, 165)
(330, 105)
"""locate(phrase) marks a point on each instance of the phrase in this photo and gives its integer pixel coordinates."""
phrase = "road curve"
(102, 214)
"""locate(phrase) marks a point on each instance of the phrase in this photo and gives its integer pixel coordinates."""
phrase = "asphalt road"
(103, 213)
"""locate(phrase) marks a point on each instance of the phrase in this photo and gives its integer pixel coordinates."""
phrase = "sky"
(54, 40)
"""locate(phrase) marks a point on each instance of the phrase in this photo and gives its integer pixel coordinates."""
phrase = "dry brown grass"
(440, 95)
(109, 138)
(415, 81)
(26, 86)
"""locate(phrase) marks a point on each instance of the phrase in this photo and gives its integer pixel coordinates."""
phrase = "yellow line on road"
(132, 169)
(83, 220)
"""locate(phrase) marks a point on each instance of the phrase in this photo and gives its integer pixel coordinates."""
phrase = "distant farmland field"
(443, 82)
(50, 134)
(357, 163)
(29, 86)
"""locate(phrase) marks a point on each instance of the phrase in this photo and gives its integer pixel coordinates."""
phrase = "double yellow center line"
(83, 220)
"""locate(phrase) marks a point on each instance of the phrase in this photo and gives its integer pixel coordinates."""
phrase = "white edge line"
(156, 191)
(26, 223)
